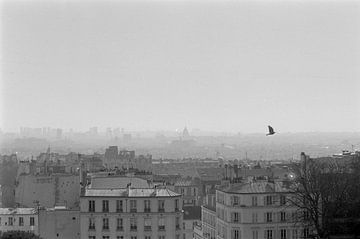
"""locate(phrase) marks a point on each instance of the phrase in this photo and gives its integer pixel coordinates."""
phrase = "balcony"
(92, 228)
(147, 210)
(133, 228)
(177, 227)
(147, 228)
(119, 229)
(177, 209)
(161, 210)
(161, 228)
(133, 210)
(119, 210)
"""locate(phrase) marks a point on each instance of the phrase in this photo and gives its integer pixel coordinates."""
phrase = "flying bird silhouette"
(271, 131)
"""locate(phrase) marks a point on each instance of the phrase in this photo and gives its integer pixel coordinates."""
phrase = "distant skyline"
(233, 66)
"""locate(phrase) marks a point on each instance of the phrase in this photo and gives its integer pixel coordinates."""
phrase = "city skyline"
(234, 66)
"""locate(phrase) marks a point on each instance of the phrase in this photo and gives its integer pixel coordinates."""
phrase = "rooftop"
(20, 211)
(184, 183)
(132, 192)
(256, 187)
(118, 182)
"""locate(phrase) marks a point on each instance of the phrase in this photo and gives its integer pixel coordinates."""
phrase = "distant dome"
(185, 133)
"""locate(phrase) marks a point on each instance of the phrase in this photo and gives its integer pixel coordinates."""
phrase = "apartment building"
(19, 219)
(130, 213)
(257, 210)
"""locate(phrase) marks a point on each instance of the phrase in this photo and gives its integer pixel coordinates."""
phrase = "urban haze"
(170, 119)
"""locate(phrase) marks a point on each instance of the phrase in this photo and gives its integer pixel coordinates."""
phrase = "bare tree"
(324, 190)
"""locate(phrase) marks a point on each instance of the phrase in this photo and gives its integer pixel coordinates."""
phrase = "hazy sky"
(213, 65)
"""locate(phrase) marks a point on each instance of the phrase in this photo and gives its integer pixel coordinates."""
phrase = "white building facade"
(147, 213)
(19, 219)
(258, 210)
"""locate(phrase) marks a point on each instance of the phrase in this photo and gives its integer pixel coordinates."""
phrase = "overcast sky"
(214, 65)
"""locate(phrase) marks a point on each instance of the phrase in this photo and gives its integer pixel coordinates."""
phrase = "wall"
(59, 224)
(48, 190)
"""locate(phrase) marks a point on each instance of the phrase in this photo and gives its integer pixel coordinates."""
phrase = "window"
(10, 221)
(91, 224)
(294, 234)
(105, 223)
(235, 234)
(269, 234)
(282, 200)
(283, 216)
(91, 206)
(21, 221)
(255, 234)
(269, 200)
(106, 237)
(161, 237)
(92, 237)
(283, 233)
(32, 221)
(194, 191)
(177, 237)
(254, 201)
(254, 217)
(105, 205)
(133, 237)
(306, 232)
(133, 206)
(235, 217)
(119, 206)
(147, 237)
(269, 217)
(119, 224)
(176, 205)
(147, 224)
(236, 201)
(161, 206)
(133, 224)
(177, 223)
(147, 206)
(161, 224)
(120, 237)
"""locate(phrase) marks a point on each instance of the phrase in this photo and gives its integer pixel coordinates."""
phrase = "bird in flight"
(271, 131)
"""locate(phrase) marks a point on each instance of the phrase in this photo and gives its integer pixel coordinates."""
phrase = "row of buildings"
(227, 201)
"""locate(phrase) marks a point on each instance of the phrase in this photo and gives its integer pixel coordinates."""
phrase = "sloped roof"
(256, 187)
(20, 211)
(118, 182)
(132, 192)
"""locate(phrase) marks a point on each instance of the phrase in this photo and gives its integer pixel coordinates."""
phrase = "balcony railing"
(133, 228)
(147, 228)
(133, 210)
(161, 228)
(161, 209)
(120, 229)
(147, 210)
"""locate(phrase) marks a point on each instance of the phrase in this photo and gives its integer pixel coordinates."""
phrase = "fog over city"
(233, 66)
(179, 119)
